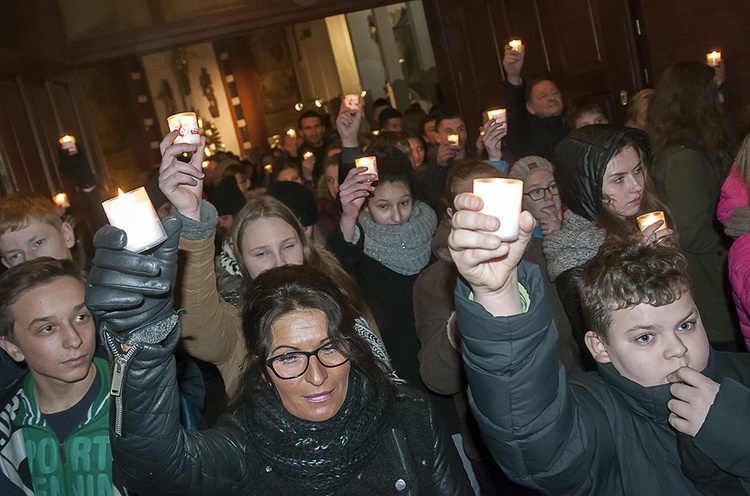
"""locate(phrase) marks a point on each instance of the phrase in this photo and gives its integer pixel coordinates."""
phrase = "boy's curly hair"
(627, 272)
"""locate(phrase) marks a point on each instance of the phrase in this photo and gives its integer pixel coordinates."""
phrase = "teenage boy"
(664, 414)
(54, 435)
(30, 228)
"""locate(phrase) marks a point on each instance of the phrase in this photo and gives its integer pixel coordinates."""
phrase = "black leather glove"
(130, 294)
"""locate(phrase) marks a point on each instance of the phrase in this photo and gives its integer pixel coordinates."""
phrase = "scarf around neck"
(321, 457)
(574, 244)
(405, 249)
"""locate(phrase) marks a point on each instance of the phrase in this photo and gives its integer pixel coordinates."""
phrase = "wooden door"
(586, 46)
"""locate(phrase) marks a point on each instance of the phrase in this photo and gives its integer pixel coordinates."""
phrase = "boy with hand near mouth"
(663, 415)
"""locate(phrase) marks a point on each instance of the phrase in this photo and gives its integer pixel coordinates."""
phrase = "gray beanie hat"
(526, 166)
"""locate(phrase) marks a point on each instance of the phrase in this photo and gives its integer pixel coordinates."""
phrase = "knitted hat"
(227, 197)
(297, 198)
(526, 166)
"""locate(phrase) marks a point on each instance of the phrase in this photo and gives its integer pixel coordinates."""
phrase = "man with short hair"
(312, 130)
(391, 120)
(536, 121)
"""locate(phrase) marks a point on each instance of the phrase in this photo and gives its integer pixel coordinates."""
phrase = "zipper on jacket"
(61, 447)
(118, 375)
(405, 464)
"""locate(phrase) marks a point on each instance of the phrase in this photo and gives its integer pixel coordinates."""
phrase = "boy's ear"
(597, 347)
(12, 350)
(68, 235)
(5, 262)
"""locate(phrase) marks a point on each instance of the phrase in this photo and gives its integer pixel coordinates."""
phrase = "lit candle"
(268, 168)
(502, 199)
(307, 155)
(351, 102)
(516, 45)
(61, 200)
(481, 131)
(713, 58)
(187, 125)
(375, 132)
(68, 142)
(133, 213)
(650, 219)
(453, 138)
(370, 162)
(291, 133)
(499, 115)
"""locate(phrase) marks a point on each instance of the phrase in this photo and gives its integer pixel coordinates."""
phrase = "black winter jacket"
(593, 433)
(154, 455)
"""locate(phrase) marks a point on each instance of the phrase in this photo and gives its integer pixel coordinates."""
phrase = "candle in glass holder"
(516, 45)
(307, 155)
(370, 162)
(61, 200)
(713, 58)
(351, 102)
(291, 133)
(187, 125)
(133, 213)
(650, 219)
(453, 138)
(68, 142)
(500, 115)
(502, 199)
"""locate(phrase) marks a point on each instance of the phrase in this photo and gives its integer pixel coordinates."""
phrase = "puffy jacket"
(594, 433)
(154, 455)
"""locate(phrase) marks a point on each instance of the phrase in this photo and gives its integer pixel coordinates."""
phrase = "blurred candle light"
(61, 200)
(291, 133)
(351, 101)
(651, 218)
(133, 213)
(499, 115)
(713, 58)
(453, 138)
(502, 199)
(68, 142)
(307, 155)
(370, 162)
(187, 125)
(516, 45)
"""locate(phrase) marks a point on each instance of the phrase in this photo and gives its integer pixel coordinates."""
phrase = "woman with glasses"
(315, 413)
(602, 177)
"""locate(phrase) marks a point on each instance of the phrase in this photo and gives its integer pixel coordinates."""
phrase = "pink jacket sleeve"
(739, 277)
(733, 195)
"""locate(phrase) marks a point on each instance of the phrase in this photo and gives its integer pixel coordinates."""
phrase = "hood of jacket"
(581, 160)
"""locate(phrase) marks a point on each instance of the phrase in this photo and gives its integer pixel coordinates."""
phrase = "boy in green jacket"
(54, 424)
(664, 414)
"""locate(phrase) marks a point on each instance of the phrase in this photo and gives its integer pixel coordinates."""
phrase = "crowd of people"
(311, 326)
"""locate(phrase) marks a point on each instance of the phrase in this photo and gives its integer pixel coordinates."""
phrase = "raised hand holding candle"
(516, 45)
(187, 125)
(713, 58)
(133, 213)
(650, 219)
(61, 200)
(502, 199)
(68, 142)
(453, 138)
(370, 162)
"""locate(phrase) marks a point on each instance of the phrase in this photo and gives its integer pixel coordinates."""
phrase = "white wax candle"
(713, 58)
(453, 138)
(68, 142)
(187, 125)
(61, 200)
(516, 45)
(133, 213)
(370, 162)
(651, 218)
(502, 199)
(351, 102)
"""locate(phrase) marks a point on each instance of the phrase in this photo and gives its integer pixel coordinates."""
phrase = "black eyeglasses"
(293, 364)
(538, 193)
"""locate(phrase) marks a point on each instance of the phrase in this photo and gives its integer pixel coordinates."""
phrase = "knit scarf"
(574, 244)
(320, 457)
(405, 249)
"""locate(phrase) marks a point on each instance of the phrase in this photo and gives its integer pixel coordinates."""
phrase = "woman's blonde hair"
(314, 256)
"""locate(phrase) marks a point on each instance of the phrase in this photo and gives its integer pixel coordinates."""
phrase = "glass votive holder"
(651, 218)
(370, 162)
(187, 125)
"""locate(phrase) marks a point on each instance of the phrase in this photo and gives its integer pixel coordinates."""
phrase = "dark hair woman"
(316, 412)
(691, 160)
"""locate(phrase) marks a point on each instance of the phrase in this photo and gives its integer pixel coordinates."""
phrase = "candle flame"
(120, 192)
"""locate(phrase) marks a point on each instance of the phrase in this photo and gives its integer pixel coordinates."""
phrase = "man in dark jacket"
(536, 122)
(664, 415)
